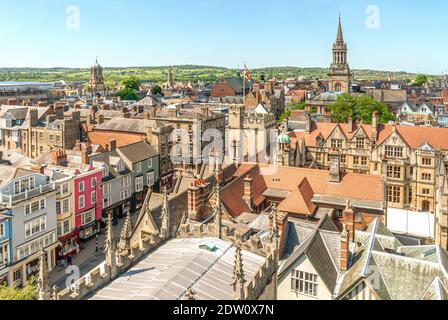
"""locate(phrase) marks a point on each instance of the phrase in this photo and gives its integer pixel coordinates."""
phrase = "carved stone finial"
(218, 211)
(274, 236)
(165, 217)
(238, 273)
(43, 283)
(191, 295)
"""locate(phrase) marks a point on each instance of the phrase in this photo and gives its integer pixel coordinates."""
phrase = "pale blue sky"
(411, 37)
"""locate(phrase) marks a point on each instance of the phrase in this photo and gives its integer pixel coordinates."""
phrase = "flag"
(247, 73)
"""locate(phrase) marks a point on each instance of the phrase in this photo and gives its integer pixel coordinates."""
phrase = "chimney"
(84, 157)
(308, 123)
(88, 121)
(375, 123)
(268, 87)
(58, 157)
(328, 117)
(197, 193)
(112, 145)
(59, 112)
(76, 116)
(41, 104)
(100, 119)
(218, 167)
(12, 102)
(335, 166)
(348, 218)
(38, 168)
(248, 190)
(33, 115)
(78, 146)
(345, 248)
(350, 125)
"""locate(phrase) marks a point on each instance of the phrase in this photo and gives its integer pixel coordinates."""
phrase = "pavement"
(86, 260)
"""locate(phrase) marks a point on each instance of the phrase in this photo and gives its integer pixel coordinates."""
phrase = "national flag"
(247, 73)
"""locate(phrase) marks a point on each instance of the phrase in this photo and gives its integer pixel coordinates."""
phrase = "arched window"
(338, 87)
(425, 206)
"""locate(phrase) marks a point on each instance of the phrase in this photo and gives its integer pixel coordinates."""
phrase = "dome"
(284, 138)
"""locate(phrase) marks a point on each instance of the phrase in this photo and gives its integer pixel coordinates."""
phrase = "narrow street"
(87, 259)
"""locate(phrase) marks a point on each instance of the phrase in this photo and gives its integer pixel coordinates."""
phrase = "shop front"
(67, 244)
(88, 231)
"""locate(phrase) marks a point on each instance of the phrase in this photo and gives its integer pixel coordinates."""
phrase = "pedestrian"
(69, 260)
(96, 243)
(77, 248)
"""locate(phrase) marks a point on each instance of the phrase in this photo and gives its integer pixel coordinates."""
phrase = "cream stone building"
(249, 132)
(410, 159)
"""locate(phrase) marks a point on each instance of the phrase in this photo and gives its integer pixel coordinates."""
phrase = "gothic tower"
(96, 81)
(340, 74)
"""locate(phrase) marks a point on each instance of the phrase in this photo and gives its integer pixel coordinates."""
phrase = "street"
(87, 259)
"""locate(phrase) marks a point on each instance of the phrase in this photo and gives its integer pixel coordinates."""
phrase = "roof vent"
(209, 246)
(428, 253)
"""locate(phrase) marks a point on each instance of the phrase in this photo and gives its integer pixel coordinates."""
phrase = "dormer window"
(360, 143)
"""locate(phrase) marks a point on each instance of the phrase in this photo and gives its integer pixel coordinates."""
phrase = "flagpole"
(244, 85)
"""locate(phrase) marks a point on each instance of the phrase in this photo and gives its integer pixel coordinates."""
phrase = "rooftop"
(181, 265)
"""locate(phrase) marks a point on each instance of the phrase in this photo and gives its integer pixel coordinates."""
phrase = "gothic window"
(360, 143)
(338, 87)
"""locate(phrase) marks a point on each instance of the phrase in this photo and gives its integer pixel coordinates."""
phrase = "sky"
(394, 35)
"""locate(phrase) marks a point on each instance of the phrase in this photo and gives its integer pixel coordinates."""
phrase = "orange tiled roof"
(302, 184)
(413, 136)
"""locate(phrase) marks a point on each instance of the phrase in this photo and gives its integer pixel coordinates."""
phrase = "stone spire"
(218, 212)
(340, 36)
(111, 251)
(126, 232)
(165, 216)
(43, 284)
(238, 274)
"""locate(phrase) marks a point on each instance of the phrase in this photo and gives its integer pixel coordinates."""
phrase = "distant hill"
(191, 73)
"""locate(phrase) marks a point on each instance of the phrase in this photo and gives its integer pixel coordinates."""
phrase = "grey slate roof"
(138, 152)
(128, 125)
(322, 248)
(180, 265)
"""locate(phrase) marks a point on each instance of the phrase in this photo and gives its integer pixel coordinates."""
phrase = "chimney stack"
(335, 165)
(12, 102)
(197, 193)
(375, 123)
(349, 220)
(345, 248)
(59, 112)
(33, 115)
(328, 117)
(248, 191)
(58, 157)
(100, 119)
(112, 145)
(350, 124)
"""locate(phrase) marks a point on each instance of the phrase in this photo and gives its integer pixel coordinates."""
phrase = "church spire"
(340, 36)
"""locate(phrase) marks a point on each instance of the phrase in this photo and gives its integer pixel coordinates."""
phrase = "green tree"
(127, 94)
(359, 108)
(420, 80)
(155, 90)
(132, 83)
(28, 292)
